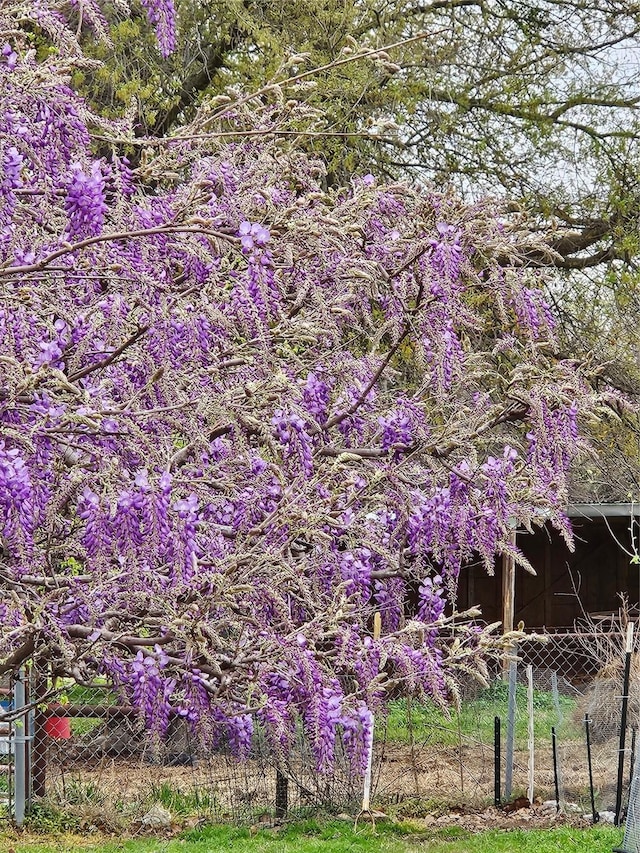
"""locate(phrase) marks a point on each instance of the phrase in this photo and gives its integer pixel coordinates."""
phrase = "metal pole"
(554, 747)
(595, 816)
(623, 721)
(530, 739)
(282, 795)
(511, 729)
(19, 757)
(366, 795)
(558, 767)
(496, 761)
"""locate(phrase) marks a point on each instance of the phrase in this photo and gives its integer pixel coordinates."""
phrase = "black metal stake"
(554, 745)
(496, 766)
(282, 795)
(623, 732)
(595, 816)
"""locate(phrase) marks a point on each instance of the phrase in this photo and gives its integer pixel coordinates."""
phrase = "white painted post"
(511, 729)
(530, 742)
(366, 796)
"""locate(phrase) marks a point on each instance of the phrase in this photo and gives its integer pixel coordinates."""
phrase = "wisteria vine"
(241, 414)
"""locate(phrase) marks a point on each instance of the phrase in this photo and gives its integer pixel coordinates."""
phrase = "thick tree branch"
(16, 659)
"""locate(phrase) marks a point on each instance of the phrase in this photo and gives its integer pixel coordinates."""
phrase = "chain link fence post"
(21, 741)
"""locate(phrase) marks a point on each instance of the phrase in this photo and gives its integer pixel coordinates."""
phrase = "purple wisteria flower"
(8, 57)
(162, 17)
(291, 432)
(432, 599)
(85, 203)
(253, 235)
(12, 167)
(16, 502)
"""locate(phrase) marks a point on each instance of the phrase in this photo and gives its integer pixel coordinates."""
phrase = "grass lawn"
(333, 837)
(428, 724)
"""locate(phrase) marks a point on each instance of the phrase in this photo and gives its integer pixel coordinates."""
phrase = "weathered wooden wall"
(599, 566)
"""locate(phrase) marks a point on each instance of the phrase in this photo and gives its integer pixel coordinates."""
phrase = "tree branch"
(69, 248)
(17, 658)
(98, 365)
(215, 58)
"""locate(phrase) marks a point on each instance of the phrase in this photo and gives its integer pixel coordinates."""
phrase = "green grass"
(182, 802)
(75, 694)
(476, 719)
(81, 726)
(335, 837)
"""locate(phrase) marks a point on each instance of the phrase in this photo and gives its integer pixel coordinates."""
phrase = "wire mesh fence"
(90, 756)
(631, 840)
(106, 766)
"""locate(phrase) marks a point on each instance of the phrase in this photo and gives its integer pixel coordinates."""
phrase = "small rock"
(344, 816)
(157, 818)
(572, 808)
(607, 817)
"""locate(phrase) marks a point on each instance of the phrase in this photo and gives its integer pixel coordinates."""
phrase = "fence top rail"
(558, 635)
(91, 711)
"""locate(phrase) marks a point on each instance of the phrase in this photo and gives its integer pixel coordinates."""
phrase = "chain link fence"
(90, 757)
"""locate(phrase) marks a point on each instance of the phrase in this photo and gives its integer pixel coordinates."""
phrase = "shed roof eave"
(603, 510)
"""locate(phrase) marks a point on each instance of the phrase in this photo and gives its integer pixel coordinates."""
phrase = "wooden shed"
(567, 584)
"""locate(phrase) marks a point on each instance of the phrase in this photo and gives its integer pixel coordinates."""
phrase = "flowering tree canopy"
(240, 415)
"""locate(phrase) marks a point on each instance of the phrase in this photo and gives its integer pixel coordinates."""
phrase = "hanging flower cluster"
(85, 205)
(240, 415)
(162, 17)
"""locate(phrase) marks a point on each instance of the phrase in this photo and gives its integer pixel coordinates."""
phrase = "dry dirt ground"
(492, 818)
(449, 785)
(466, 775)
